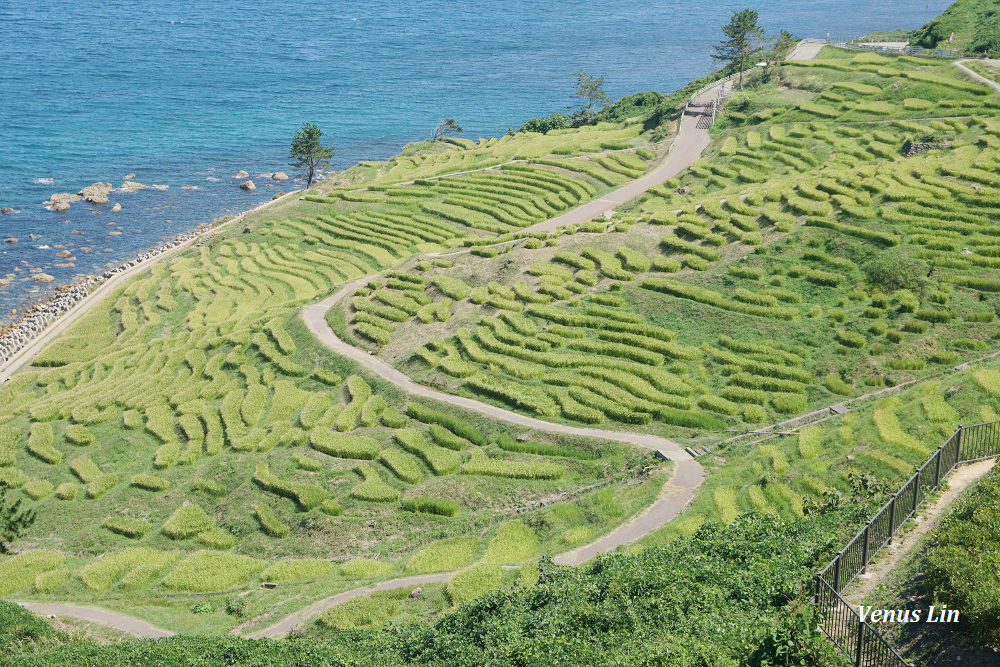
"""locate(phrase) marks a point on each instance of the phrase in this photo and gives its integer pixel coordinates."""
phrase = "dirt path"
(977, 76)
(928, 518)
(128, 624)
(807, 49)
(315, 318)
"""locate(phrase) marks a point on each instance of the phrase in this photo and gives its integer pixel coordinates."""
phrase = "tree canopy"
(308, 153)
(744, 40)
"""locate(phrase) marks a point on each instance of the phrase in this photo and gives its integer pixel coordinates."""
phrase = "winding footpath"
(691, 140)
(976, 75)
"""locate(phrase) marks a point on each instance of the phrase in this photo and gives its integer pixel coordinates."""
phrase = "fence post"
(892, 517)
(858, 654)
(916, 491)
(937, 468)
(958, 449)
(867, 542)
(836, 572)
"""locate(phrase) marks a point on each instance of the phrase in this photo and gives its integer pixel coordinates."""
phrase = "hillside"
(191, 437)
(975, 24)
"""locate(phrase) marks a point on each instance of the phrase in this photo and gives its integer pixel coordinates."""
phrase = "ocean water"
(186, 94)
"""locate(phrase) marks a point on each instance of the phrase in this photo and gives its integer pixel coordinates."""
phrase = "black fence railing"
(838, 619)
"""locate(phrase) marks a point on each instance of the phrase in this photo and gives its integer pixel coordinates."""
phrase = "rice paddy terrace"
(190, 436)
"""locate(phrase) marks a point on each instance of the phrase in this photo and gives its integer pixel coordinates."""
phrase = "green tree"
(744, 40)
(778, 48)
(308, 153)
(591, 89)
(446, 127)
(13, 521)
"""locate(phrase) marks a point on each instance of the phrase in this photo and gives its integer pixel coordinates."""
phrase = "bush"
(556, 121)
(439, 506)
(892, 270)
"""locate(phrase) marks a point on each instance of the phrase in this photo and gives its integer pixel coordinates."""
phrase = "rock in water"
(42, 278)
(132, 186)
(64, 197)
(116, 208)
(7, 210)
(129, 177)
(96, 193)
(241, 174)
(279, 176)
(60, 206)
(248, 186)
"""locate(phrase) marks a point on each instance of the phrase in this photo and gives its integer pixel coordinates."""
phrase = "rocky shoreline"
(33, 321)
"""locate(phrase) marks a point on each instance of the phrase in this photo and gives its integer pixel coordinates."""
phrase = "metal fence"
(838, 618)
(949, 54)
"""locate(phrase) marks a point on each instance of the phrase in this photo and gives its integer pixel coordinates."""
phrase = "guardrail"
(838, 619)
(949, 54)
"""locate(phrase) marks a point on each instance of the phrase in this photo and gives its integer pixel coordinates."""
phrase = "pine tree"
(308, 153)
(13, 521)
(744, 38)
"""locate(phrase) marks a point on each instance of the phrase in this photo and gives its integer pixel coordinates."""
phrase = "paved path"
(97, 615)
(977, 76)
(315, 318)
(674, 497)
(807, 49)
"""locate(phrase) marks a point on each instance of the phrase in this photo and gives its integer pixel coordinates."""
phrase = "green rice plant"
(327, 376)
(474, 581)
(12, 477)
(480, 464)
(9, 437)
(754, 414)
(810, 439)
(633, 261)
(743, 395)
(509, 444)
(440, 460)
(216, 538)
(889, 429)
(37, 489)
(208, 487)
(936, 407)
(365, 568)
(718, 404)
(18, 572)
(79, 435)
(729, 146)
(306, 496)
(439, 506)
(130, 567)
(788, 404)
(66, 491)
(401, 464)
(372, 488)
(85, 469)
(391, 418)
(725, 504)
(676, 244)
(988, 380)
(713, 298)
(104, 483)
(269, 521)
(521, 396)
(445, 438)
(167, 455)
(186, 522)
(837, 386)
(850, 339)
(307, 463)
(345, 446)
(453, 423)
(513, 543)
(205, 571)
(907, 364)
(40, 443)
(50, 582)
(130, 528)
(754, 141)
(914, 326)
(331, 507)
(297, 569)
(443, 555)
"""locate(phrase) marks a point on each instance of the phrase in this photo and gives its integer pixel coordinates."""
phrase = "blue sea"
(186, 94)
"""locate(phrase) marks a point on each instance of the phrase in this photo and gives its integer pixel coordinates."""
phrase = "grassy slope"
(962, 17)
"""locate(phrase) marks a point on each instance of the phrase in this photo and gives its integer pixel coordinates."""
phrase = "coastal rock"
(132, 186)
(241, 174)
(64, 253)
(7, 210)
(116, 208)
(96, 193)
(279, 176)
(42, 278)
(10, 239)
(189, 187)
(4, 282)
(64, 197)
(129, 177)
(60, 206)
(248, 186)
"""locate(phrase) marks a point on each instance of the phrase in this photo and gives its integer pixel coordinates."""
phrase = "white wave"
(211, 178)
(43, 181)
(159, 187)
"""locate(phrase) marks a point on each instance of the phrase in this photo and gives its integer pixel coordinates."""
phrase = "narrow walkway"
(976, 75)
(315, 318)
(115, 620)
(928, 518)
(807, 49)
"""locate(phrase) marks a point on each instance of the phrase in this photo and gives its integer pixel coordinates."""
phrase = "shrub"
(443, 555)
(205, 571)
(439, 506)
(892, 270)
(269, 521)
(131, 528)
(345, 446)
